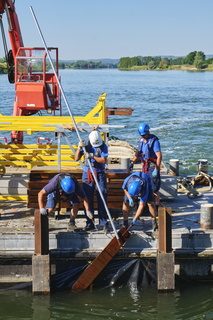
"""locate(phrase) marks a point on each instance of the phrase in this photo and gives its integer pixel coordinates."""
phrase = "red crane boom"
(36, 88)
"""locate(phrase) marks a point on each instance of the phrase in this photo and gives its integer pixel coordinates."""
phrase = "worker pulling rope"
(74, 123)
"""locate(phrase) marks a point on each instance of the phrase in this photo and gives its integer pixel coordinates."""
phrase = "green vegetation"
(195, 60)
(3, 66)
(82, 64)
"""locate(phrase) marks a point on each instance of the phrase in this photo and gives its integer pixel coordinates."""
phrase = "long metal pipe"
(73, 120)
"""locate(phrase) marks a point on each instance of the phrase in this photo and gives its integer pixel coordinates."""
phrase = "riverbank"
(175, 67)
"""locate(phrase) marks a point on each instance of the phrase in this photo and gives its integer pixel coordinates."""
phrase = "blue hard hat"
(68, 185)
(143, 128)
(134, 188)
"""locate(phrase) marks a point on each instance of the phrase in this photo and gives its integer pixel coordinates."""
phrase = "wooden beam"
(100, 262)
(164, 229)
(41, 227)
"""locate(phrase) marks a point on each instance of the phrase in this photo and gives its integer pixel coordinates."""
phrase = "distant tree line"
(82, 64)
(195, 58)
(3, 66)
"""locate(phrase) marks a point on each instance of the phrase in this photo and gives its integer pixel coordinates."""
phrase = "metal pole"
(73, 120)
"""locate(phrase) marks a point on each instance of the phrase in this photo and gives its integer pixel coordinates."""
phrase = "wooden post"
(165, 256)
(41, 233)
(164, 229)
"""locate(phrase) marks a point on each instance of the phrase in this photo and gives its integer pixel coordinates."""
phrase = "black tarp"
(119, 272)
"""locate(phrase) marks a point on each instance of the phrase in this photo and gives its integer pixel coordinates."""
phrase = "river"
(178, 106)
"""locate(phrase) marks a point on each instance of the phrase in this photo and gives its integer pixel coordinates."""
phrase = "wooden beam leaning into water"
(165, 256)
(100, 262)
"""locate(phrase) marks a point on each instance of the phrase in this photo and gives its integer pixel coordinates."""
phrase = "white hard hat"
(95, 139)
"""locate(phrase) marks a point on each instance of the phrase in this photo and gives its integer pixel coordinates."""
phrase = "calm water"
(178, 106)
(192, 302)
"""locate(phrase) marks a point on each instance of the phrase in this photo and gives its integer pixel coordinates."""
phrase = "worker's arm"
(158, 160)
(78, 155)
(139, 211)
(41, 198)
(136, 156)
(101, 160)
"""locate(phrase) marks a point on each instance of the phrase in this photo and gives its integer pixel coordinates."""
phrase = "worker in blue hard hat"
(138, 186)
(63, 185)
(149, 153)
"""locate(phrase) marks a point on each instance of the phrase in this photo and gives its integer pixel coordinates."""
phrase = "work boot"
(154, 225)
(106, 228)
(89, 227)
(125, 224)
(71, 226)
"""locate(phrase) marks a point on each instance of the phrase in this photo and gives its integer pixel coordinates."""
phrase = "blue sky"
(92, 29)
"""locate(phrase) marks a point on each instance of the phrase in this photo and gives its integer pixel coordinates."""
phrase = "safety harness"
(146, 155)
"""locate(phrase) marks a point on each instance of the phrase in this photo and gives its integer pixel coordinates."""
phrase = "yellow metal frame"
(47, 123)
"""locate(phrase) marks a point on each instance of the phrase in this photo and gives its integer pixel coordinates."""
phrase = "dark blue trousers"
(89, 188)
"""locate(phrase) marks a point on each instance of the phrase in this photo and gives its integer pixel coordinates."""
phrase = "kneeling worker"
(138, 185)
(63, 185)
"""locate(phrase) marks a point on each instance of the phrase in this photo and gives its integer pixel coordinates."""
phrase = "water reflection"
(189, 301)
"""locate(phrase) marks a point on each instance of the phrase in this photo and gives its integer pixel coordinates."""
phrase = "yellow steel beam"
(13, 197)
(50, 123)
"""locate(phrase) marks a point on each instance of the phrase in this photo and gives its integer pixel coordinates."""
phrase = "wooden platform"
(38, 179)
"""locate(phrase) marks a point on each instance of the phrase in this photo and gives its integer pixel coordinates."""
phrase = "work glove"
(89, 214)
(43, 211)
(81, 144)
(131, 202)
(131, 166)
(133, 222)
(155, 173)
(89, 155)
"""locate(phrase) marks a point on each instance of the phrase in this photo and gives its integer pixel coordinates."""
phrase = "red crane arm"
(14, 30)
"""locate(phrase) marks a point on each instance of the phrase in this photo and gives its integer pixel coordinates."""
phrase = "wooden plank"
(41, 233)
(100, 262)
(165, 229)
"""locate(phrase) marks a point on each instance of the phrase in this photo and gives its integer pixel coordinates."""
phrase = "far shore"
(175, 67)
(3, 68)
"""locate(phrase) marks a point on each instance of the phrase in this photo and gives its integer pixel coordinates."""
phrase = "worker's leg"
(156, 201)
(152, 209)
(125, 209)
(51, 202)
(89, 191)
(102, 214)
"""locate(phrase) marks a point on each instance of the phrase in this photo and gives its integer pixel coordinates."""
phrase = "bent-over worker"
(138, 185)
(63, 185)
